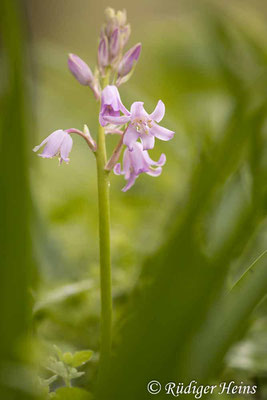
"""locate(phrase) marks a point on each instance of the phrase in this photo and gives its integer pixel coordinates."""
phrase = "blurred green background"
(204, 217)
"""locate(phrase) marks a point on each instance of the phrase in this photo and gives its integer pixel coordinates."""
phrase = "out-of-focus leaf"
(76, 359)
(73, 373)
(227, 320)
(17, 266)
(62, 293)
(58, 368)
(47, 382)
(64, 370)
(250, 354)
(81, 357)
(72, 394)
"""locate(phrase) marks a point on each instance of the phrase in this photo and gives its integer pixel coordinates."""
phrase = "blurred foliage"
(179, 242)
(16, 272)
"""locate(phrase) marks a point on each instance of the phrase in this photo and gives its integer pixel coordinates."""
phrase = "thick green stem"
(104, 248)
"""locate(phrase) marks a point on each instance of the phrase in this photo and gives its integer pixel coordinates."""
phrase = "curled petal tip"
(117, 169)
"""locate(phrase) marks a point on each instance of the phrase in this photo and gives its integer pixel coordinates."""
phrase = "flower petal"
(161, 161)
(154, 172)
(130, 137)
(130, 182)
(66, 147)
(121, 120)
(53, 144)
(138, 111)
(111, 96)
(138, 161)
(36, 148)
(117, 169)
(159, 112)
(101, 119)
(148, 141)
(111, 104)
(161, 133)
(126, 164)
(124, 110)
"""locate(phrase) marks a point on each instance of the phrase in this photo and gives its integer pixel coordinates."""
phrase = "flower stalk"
(104, 247)
(115, 155)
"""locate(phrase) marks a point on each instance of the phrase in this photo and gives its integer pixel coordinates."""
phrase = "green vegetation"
(188, 249)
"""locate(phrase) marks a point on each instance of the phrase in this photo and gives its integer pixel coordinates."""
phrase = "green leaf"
(81, 357)
(62, 293)
(228, 319)
(72, 394)
(67, 358)
(74, 360)
(58, 352)
(73, 373)
(49, 381)
(58, 368)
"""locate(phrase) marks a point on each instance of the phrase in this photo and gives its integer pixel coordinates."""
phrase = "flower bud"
(109, 13)
(103, 53)
(114, 20)
(89, 138)
(80, 70)
(111, 21)
(114, 45)
(129, 59)
(121, 17)
(125, 34)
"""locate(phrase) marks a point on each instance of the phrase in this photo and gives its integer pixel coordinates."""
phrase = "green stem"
(104, 247)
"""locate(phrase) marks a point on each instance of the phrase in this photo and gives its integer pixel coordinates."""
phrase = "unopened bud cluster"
(110, 58)
(114, 37)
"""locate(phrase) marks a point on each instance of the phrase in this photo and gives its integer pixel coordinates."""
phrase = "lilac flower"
(128, 60)
(58, 143)
(80, 70)
(136, 162)
(142, 125)
(111, 104)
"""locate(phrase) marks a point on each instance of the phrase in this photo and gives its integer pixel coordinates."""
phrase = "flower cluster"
(135, 124)
(137, 128)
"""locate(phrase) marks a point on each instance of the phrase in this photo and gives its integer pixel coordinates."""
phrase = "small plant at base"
(64, 366)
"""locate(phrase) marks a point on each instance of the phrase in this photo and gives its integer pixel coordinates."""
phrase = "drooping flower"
(142, 125)
(59, 143)
(111, 104)
(138, 161)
